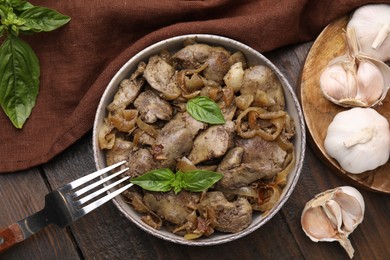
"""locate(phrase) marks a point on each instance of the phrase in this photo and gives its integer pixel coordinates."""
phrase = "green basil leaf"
(156, 180)
(205, 110)
(178, 182)
(3, 10)
(19, 5)
(43, 19)
(200, 180)
(177, 189)
(19, 79)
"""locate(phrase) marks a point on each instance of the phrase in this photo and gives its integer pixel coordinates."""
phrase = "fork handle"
(10, 236)
(23, 229)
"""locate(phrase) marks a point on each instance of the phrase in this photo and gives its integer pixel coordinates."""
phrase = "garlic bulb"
(333, 215)
(359, 139)
(372, 25)
(354, 79)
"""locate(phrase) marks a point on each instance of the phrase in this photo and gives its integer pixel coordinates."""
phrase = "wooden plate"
(319, 112)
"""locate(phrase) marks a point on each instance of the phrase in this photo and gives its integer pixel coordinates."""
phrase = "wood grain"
(319, 112)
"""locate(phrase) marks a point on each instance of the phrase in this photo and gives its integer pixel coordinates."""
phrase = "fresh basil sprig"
(164, 180)
(19, 66)
(205, 110)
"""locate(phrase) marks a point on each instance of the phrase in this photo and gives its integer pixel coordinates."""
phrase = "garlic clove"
(333, 215)
(337, 83)
(370, 82)
(317, 225)
(351, 201)
(333, 211)
(384, 70)
(348, 221)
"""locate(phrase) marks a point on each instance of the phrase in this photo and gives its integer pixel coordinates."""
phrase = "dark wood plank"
(22, 194)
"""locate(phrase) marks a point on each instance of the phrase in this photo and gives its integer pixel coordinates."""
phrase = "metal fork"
(65, 205)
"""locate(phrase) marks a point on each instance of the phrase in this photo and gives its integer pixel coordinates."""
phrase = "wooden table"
(106, 234)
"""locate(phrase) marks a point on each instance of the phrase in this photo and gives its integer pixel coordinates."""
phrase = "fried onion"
(124, 120)
(106, 137)
(277, 119)
(150, 130)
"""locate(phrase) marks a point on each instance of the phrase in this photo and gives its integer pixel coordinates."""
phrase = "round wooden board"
(319, 112)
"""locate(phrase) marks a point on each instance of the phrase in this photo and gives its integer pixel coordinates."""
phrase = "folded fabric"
(78, 60)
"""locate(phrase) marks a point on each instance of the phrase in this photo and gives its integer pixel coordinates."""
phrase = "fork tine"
(76, 183)
(95, 184)
(104, 199)
(98, 192)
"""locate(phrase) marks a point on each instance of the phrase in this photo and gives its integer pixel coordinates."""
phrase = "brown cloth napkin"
(78, 60)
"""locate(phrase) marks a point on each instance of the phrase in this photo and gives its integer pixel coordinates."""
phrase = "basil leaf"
(178, 182)
(19, 79)
(200, 180)
(19, 5)
(155, 180)
(205, 110)
(44, 19)
(3, 10)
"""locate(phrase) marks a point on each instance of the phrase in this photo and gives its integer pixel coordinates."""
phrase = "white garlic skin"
(359, 139)
(369, 21)
(352, 204)
(335, 83)
(355, 79)
(359, 82)
(333, 215)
